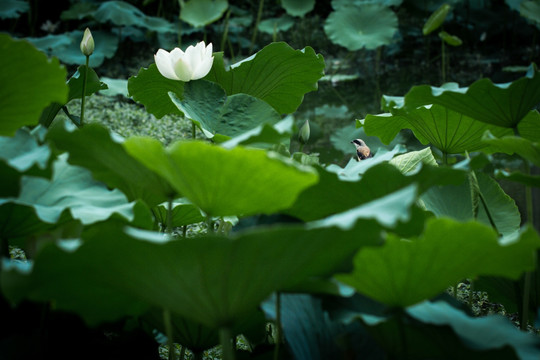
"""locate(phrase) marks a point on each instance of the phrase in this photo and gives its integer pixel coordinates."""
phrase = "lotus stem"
(255, 29)
(278, 326)
(443, 61)
(193, 133)
(209, 223)
(528, 276)
(169, 217)
(83, 98)
(168, 330)
(225, 31)
(225, 336)
(182, 352)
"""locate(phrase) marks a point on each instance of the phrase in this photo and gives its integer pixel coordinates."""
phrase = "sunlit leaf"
(224, 182)
(404, 272)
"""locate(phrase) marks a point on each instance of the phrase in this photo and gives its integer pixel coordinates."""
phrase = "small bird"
(362, 150)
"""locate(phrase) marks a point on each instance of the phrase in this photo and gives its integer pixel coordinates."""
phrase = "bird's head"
(358, 142)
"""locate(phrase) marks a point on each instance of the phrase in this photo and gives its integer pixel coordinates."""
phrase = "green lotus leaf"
(530, 10)
(332, 195)
(151, 89)
(119, 13)
(529, 180)
(385, 126)
(436, 19)
(183, 213)
(277, 74)
(437, 330)
(22, 152)
(298, 7)
(274, 25)
(502, 105)
(11, 9)
(213, 280)
(455, 202)
(66, 47)
(513, 144)
(451, 40)
(405, 272)
(224, 182)
(78, 11)
(30, 82)
(410, 161)
(199, 13)
(264, 136)
(364, 26)
(158, 25)
(101, 152)
(115, 87)
(529, 126)
(347, 3)
(206, 104)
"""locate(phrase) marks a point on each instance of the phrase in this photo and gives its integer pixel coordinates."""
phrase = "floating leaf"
(205, 102)
(30, 82)
(277, 74)
(298, 7)
(199, 13)
(96, 148)
(224, 182)
(497, 104)
(405, 272)
(364, 26)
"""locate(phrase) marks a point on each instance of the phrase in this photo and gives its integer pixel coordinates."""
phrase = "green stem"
(168, 330)
(210, 224)
(169, 217)
(184, 231)
(225, 31)
(85, 76)
(182, 352)
(402, 334)
(225, 336)
(278, 326)
(193, 134)
(528, 276)
(301, 147)
(377, 75)
(256, 27)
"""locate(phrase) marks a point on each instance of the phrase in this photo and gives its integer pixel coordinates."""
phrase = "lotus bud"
(87, 43)
(303, 134)
(195, 63)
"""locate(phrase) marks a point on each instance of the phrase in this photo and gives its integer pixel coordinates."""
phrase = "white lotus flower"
(193, 64)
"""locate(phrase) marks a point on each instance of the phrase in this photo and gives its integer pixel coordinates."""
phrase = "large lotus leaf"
(66, 47)
(332, 195)
(98, 150)
(119, 13)
(205, 102)
(72, 188)
(410, 161)
(298, 7)
(211, 279)
(527, 149)
(497, 104)
(529, 180)
(363, 26)
(437, 330)
(273, 25)
(183, 213)
(404, 272)
(151, 89)
(75, 83)
(30, 82)
(199, 13)
(531, 10)
(10, 9)
(354, 168)
(22, 152)
(158, 25)
(529, 126)
(264, 136)
(225, 182)
(277, 74)
(449, 131)
(455, 202)
(346, 3)
(78, 11)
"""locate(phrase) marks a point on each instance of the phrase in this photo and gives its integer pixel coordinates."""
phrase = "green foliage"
(436, 19)
(298, 7)
(202, 12)
(30, 82)
(361, 26)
